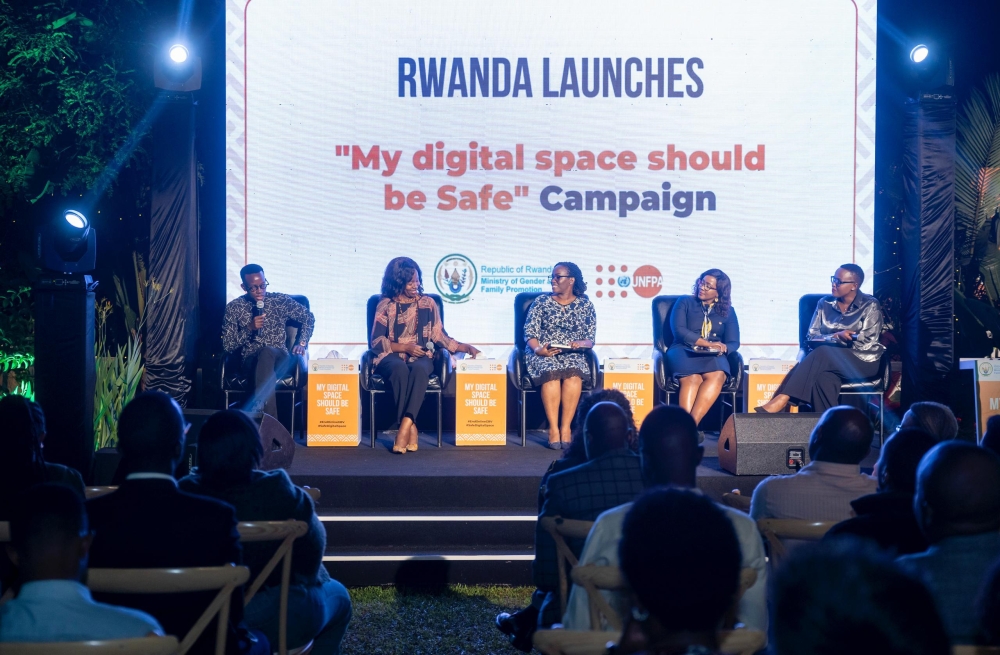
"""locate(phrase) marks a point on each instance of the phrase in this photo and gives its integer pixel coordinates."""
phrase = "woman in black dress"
(844, 345)
(704, 320)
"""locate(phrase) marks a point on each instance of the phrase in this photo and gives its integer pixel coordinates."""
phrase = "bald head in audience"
(933, 418)
(606, 428)
(668, 447)
(958, 491)
(843, 435)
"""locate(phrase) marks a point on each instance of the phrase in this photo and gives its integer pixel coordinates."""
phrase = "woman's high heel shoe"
(412, 447)
(399, 449)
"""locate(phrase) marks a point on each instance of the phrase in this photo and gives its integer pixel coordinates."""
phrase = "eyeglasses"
(256, 287)
(835, 282)
(556, 278)
(706, 287)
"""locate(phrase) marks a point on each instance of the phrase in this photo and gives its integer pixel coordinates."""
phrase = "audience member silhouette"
(933, 418)
(824, 488)
(22, 464)
(608, 478)
(669, 454)
(886, 517)
(149, 523)
(50, 541)
(958, 507)
(677, 606)
(846, 596)
(988, 607)
(319, 608)
(576, 454)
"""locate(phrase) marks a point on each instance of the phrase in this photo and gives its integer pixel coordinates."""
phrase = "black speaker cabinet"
(765, 444)
(278, 445)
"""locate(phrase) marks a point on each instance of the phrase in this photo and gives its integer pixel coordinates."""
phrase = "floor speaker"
(277, 443)
(765, 444)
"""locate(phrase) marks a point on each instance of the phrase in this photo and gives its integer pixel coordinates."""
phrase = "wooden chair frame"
(314, 493)
(775, 530)
(286, 532)
(594, 579)
(593, 642)
(224, 578)
(138, 646)
(96, 492)
(561, 528)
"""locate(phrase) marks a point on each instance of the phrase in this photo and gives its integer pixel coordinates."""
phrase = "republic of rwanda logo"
(455, 277)
(985, 368)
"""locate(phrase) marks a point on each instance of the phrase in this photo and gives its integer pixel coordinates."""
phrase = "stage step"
(488, 564)
(456, 545)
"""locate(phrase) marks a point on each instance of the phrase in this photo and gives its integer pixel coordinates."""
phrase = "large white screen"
(316, 83)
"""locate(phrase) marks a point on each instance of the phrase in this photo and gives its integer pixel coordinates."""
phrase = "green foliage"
(119, 374)
(977, 175)
(17, 341)
(68, 93)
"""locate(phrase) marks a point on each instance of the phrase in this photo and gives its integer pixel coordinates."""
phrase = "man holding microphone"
(254, 328)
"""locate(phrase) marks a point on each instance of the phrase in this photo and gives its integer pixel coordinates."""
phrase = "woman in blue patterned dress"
(564, 317)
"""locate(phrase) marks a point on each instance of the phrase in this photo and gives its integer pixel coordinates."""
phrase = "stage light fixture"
(77, 220)
(67, 244)
(178, 53)
(177, 69)
(919, 53)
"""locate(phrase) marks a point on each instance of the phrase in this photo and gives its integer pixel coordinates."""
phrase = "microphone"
(429, 347)
(257, 311)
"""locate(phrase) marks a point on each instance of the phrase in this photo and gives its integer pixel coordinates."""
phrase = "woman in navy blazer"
(704, 320)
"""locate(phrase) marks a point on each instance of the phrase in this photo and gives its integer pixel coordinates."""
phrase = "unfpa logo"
(646, 281)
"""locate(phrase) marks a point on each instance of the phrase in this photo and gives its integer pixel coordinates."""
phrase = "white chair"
(224, 578)
(560, 529)
(775, 531)
(286, 532)
(138, 646)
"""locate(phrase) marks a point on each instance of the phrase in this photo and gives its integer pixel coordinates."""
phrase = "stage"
(454, 514)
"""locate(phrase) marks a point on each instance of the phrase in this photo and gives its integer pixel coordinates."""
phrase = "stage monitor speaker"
(278, 445)
(765, 444)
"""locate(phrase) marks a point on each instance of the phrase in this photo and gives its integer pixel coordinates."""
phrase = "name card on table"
(986, 373)
(333, 398)
(634, 378)
(480, 402)
(763, 378)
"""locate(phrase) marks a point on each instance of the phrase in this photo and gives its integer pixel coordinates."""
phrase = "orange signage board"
(480, 403)
(763, 378)
(634, 378)
(333, 399)
(987, 376)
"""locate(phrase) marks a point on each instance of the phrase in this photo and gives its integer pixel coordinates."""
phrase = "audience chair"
(286, 532)
(96, 492)
(293, 384)
(775, 530)
(314, 493)
(593, 579)
(561, 529)
(875, 386)
(975, 650)
(373, 383)
(517, 369)
(663, 336)
(593, 642)
(168, 581)
(737, 501)
(138, 646)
